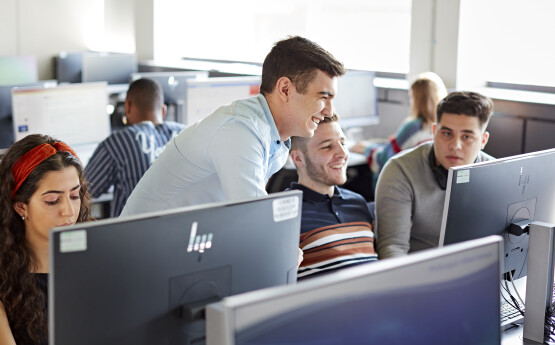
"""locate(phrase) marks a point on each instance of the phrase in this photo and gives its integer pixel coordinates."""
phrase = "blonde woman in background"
(425, 93)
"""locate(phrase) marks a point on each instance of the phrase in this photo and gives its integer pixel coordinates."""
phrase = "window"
(363, 34)
(509, 41)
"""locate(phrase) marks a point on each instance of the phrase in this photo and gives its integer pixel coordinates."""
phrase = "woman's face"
(56, 202)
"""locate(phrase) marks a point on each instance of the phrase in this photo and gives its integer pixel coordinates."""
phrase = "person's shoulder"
(174, 125)
(410, 123)
(484, 157)
(350, 194)
(411, 160)
(249, 112)
(414, 153)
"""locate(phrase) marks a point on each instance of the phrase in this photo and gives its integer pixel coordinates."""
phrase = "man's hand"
(299, 257)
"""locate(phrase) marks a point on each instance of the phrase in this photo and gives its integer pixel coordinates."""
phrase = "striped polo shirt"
(122, 159)
(336, 232)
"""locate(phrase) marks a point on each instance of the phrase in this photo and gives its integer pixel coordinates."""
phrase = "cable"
(514, 287)
(516, 305)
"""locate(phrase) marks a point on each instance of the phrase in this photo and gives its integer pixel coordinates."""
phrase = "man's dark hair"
(299, 143)
(467, 103)
(298, 59)
(146, 94)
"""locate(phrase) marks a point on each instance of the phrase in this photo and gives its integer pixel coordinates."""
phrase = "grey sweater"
(409, 203)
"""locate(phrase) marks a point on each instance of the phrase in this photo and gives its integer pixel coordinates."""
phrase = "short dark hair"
(298, 59)
(146, 94)
(299, 143)
(467, 103)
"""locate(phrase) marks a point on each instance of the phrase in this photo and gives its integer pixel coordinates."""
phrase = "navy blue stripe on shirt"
(123, 158)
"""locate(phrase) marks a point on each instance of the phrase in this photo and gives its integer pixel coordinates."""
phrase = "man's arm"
(237, 155)
(394, 207)
(99, 172)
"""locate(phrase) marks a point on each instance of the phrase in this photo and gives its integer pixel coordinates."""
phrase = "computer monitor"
(6, 121)
(203, 97)
(146, 279)
(356, 102)
(74, 113)
(440, 296)
(113, 68)
(174, 87)
(69, 67)
(486, 198)
(18, 69)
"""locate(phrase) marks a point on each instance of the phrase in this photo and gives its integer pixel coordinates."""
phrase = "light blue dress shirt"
(227, 156)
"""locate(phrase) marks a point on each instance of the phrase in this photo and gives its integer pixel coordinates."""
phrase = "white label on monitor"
(463, 176)
(285, 208)
(73, 241)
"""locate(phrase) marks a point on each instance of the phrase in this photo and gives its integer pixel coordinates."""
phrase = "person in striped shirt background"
(336, 224)
(122, 158)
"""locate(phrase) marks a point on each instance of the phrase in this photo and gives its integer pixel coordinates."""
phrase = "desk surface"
(513, 336)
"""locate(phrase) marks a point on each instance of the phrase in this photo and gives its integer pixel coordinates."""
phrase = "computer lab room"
(295, 172)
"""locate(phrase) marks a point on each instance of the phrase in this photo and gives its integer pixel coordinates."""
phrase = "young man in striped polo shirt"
(336, 228)
(122, 158)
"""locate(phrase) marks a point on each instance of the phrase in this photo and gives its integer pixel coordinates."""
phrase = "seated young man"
(336, 228)
(411, 188)
(123, 158)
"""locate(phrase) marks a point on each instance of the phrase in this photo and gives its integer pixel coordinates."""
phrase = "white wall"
(44, 28)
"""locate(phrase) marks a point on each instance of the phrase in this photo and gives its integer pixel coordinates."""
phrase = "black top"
(42, 283)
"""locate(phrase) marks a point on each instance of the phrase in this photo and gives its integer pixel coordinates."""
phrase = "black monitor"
(113, 68)
(6, 120)
(146, 279)
(440, 296)
(486, 198)
(356, 102)
(68, 67)
(174, 86)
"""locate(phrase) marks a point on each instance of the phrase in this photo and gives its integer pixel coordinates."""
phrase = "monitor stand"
(539, 283)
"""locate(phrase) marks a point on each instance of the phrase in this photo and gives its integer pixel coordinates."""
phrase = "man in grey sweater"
(411, 188)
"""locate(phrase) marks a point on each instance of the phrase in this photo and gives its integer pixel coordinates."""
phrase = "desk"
(359, 177)
(513, 336)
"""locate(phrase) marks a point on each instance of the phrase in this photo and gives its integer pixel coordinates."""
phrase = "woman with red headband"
(41, 187)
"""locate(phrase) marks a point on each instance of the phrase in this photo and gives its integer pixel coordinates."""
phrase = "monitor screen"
(485, 198)
(356, 102)
(6, 121)
(113, 68)
(74, 113)
(18, 69)
(203, 97)
(146, 279)
(441, 296)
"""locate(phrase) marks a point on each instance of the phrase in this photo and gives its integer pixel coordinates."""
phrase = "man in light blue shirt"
(231, 154)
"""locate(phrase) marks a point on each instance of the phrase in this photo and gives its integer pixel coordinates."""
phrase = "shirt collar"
(313, 196)
(439, 172)
(270, 119)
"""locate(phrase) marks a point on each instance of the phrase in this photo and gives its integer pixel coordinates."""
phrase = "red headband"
(29, 161)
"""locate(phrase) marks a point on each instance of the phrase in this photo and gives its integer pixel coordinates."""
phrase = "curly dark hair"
(19, 292)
